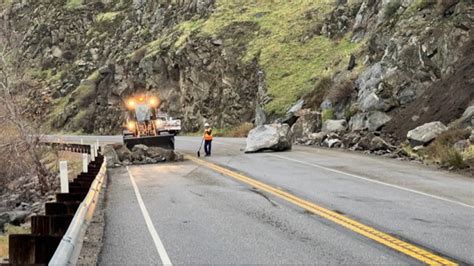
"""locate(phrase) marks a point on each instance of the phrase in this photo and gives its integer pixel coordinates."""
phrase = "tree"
(19, 139)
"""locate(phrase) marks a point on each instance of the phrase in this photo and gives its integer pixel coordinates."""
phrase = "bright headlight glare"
(153, 102)
(131, 104)
(130, 126)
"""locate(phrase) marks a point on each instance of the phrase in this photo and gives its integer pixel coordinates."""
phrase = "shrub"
(442, 151)
(327, 114)
(392, 7)
(449, 137)
(316, 96)
(341, 91)
(73, 4)
(450, 157)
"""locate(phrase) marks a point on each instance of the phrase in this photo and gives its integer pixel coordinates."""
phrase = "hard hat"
(206, 124)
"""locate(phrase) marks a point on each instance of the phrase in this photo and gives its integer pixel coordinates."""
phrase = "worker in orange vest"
(207, 139)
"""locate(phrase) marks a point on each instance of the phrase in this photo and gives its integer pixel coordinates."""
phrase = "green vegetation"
(10, 229)
(275, 28)
(290, 65)
(83, 95)
(107, 17)
(422, 4)
(418, 5)
(153, 48)
(327, 114)
(74, 4)
(392, 7)
(187, 28)
(5, 4)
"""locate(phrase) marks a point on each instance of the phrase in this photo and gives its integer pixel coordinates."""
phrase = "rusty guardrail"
(64, 221)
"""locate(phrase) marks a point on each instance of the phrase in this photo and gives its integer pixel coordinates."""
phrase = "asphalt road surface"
(188, 213)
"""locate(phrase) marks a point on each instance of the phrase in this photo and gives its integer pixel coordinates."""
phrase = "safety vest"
(208, 134)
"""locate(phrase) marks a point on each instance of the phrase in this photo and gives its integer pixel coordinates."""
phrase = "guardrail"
(56, 237)
(70, 247)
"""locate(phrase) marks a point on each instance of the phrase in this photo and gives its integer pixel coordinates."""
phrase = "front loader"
(141, 124)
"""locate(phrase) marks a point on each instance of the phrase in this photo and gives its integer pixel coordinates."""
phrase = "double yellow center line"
(367, 231)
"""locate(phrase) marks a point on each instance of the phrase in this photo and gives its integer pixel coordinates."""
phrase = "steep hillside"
(369, 62)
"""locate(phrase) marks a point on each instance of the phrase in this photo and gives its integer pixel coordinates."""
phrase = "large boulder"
(372, 121)
(123, 152)
(334, 126)
(111, 156)
(424, 134)
(276, 137)
(160, 154)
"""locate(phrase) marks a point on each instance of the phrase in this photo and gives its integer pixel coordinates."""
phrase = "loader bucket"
(162, 141)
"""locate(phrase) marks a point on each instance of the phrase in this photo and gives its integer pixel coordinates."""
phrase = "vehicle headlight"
(131, 104)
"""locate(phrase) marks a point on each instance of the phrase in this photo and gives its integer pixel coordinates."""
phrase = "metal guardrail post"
(63, 176)
(70, 246)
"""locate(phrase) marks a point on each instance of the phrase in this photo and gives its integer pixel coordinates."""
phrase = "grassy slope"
(291, 66)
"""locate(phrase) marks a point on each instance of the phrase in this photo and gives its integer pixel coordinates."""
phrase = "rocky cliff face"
(91, 55)
(379, 65)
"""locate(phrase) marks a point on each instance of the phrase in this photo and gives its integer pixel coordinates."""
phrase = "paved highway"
(284, 207)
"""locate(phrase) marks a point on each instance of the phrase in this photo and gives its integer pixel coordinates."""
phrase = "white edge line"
(374, 181)
(156, 238)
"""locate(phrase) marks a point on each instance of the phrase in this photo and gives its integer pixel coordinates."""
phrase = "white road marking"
(373, 181)
(151, 228)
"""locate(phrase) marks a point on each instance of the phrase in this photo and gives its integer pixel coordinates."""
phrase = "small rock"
(332, 143)
(462, 145)
(352, 63)
(377, 143)
(217, 42)
(4, 219)
(334, 126)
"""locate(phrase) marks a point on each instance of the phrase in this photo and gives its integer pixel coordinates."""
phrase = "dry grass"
(341, 92)
(10, 229)
(442, 151)
(240, 131)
